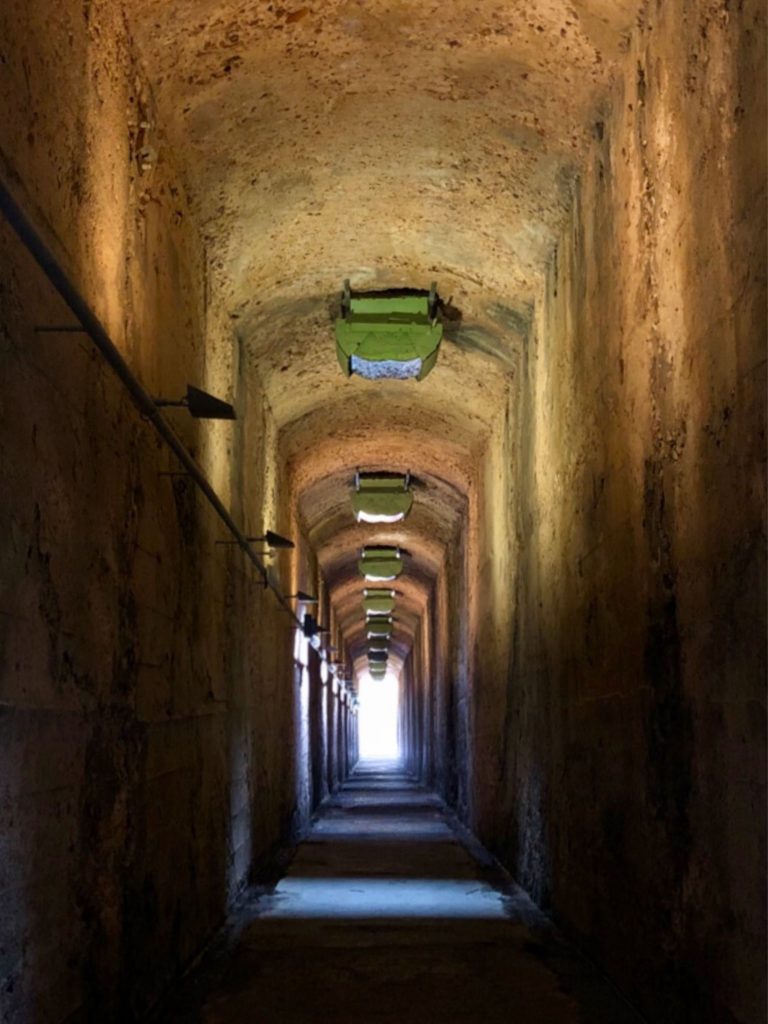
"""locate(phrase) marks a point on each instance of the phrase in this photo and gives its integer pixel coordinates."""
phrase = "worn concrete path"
(390, 913)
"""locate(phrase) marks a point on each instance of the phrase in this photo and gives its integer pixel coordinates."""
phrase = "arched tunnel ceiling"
(432, 525)
(321, 139)
(393, 143)
(440, 487)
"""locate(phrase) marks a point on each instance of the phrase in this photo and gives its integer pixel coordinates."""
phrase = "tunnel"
(521, 776)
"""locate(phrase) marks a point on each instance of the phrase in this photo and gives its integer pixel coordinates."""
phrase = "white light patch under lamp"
(379, 517)
(392, 369)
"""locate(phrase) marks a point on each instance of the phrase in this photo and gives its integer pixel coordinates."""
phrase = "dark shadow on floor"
(390, 912)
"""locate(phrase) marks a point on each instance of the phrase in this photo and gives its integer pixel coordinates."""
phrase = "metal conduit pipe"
(143, 401)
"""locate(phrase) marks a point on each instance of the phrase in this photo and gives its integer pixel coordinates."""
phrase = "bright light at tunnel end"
(378, 717)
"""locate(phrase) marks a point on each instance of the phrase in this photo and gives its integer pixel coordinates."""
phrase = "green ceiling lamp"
(378, 657)
(378, 604)
(389, 334)
(377, 671)
(378, 628)
(379, 565)
(381, 497)
(379, 644)
(373, 619)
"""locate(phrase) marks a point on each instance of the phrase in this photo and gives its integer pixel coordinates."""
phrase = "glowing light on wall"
(300, 648)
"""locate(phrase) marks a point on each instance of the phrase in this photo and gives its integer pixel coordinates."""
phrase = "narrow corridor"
(390, 911)
(383, 379)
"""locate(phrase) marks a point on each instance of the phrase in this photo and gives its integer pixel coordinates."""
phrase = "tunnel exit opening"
(378, 717)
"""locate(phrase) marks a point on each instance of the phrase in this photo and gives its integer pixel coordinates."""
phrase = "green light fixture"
(378, 657)
(381, 497)
(379, 565)
(380, 627)
(389, 334)
(378, 603)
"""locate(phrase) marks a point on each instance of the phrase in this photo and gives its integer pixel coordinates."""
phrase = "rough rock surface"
(581, 628)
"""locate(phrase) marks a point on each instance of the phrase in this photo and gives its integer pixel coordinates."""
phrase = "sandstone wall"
(147, 724)
(632, 763)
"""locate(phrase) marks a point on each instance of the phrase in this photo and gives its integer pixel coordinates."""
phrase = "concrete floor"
(390, 912)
